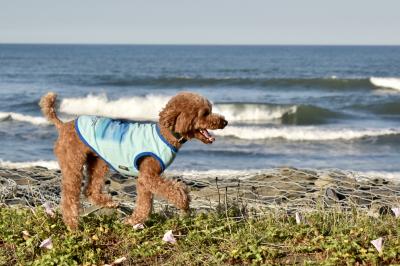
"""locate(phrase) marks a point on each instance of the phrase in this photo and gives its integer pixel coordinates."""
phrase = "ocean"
(318, 107)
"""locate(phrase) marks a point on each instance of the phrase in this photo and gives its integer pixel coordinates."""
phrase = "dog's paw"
(111, 204)
(134, 221)
(182, 198)
(185, 213)
(71, 223)
(103, 201)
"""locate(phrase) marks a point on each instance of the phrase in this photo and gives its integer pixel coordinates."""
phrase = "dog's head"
(190, 115)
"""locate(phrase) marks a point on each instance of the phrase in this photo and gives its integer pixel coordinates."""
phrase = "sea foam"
(391, 83)
(374, 174)
(149, 106)
(136, 108)
(303, 133)
(35, 120)
(47, 164)
(253, 112)
(220, 173)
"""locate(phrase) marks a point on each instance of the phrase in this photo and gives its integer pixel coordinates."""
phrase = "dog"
(102, 143)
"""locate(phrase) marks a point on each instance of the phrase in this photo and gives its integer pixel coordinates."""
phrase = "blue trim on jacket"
(143, 154)
(164, 140)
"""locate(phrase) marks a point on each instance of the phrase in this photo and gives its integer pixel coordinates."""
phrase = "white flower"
(138, 226)
(378, 244)
(396, 212)
(299, 218)
(117, 261)
(49, 209)
(25, 235)
(46, 243)
(169, 237)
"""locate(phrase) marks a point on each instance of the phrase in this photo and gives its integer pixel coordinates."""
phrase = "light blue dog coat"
(123, 143)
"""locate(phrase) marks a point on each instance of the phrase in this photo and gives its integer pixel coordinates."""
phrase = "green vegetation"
(203, 239)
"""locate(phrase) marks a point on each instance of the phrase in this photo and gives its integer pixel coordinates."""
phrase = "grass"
(329, 238)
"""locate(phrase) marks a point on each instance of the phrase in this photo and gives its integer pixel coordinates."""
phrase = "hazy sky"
(201, 21)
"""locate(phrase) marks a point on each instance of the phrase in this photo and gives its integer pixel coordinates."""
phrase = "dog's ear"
(183, 123)
(168, 117)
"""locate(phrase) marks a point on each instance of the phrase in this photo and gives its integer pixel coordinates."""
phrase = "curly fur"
(47, 104)
(186, 113)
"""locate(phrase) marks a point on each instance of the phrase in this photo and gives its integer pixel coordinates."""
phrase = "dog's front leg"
(144, 204)
(149, 182)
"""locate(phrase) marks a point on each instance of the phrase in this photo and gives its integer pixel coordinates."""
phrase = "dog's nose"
(224, 123)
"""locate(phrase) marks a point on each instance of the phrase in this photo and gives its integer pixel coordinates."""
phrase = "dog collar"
(181, 139)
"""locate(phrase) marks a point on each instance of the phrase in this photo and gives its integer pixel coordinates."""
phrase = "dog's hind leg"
(97, 170)
(71, 168)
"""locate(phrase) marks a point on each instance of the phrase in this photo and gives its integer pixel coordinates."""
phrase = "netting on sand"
(287, 189)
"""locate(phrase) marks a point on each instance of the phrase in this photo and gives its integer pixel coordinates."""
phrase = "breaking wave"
(249, 112)
(391, 83)
(135, 108)
(303, 133)
(148, 107)
(35, 120)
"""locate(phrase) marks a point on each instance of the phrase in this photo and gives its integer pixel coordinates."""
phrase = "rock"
(283, 188)
(385, 210)
(331, 194)
(324, 181)
(119, 178)
(130, 189)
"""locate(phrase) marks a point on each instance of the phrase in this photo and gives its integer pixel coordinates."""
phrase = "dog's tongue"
(207, 135)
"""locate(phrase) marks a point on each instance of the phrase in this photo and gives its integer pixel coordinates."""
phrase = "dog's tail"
(47, 104)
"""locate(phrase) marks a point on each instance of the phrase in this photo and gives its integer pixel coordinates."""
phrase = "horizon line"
(191, 44)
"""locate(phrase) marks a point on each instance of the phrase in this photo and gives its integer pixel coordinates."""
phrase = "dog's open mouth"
(207, 135)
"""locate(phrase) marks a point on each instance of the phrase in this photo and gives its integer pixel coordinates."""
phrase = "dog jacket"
(123, 143)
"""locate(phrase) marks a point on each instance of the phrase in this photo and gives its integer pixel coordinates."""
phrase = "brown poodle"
(186, 116)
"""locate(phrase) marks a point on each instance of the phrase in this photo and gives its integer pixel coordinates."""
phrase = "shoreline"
(285, 188)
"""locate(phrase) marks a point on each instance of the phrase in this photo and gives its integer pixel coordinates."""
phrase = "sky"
(364, 22)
